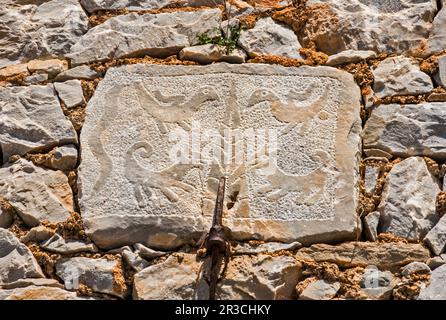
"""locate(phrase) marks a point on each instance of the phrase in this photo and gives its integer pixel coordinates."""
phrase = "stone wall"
(349, 95)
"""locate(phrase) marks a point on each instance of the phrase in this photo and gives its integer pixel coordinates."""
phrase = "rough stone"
(381, 26)
(400, 76)
(408, 130)
(436, 290)
(38, 293)
(36, 194)
(6, 216)
(270, 38)
(257, 277)
(37, 234)
(36, 78)
(82, 72)
(63, 158)
(376, 284)
(147, 253)
(130, 194)
(415, 267)
(16, 260)
(97, 274)
(22, 283)
(70, 92)
(134, 260)
(436, 262)
(437, 38)
(441, 76)
(350, 56)
(408, 199)
(31, 120)
(14, 70)
(51, 67)
(208, 53)
(58, 244)
(371, 175)
(387, 256)
(48, 30)
(158, 35)
(320, 290)
(436, 237)
(269, 247)
(371, 222)
(96, 5)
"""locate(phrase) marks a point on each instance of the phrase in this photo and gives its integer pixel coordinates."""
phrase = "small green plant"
(229, 41)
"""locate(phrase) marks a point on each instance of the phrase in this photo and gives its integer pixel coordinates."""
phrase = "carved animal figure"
(144, 180)
(281, 183)
(298, 108)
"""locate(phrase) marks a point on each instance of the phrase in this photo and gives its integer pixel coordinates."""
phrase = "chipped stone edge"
(172, 232)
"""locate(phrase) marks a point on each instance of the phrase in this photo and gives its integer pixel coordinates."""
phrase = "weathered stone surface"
(97, 274)
(436, 262)
(37, 234)
(371, 222)
(382, 26)
(408, 198)
(437, 38)
(350, 56)
(51, 67)
(16, 261)
(82, 72)
(258, 277)
(131, 194)
(436, 237)
(31, 119)
(63, 158)
(47, 30)
(376, 284)
(436, 290)
(38, 293)
(208, 53)
(386, 256)
(158, 35)
(442, 71)
(36, 78)
(400, 76)
(269, 247)
(371, 175)
(134, 260)
(415, 267)
(70, 92)
(408, 130)
(270, 38)
(32, 282)
(147, 253)
(58, 244)
(36, 194)
(6, 216)
(320, 290)
(96, 5)
(14, 70)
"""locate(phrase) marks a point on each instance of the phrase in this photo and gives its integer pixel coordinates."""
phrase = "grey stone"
(57, 244)
(371, 175)
(70, 92)
(436, 237)
(6, 216)
(158, 35)
(371, 222)
(22, 283)
(37, 234)
(208, 53)
(33, 292)
(134, 260)
(270, 38)
(415, 267)
(32, 120)
(35, 193)
(269, 247)
(248, 277)
(442, 71)
(408, 199)
(376, 284)
(82, 72)
(147, 253)
(95, 5)
(63, 158)
(97, 274)
(36, 78)
(400, 76)
(436, 290)
(47, 30)
(320, 290)
(350, 56)
(436, 262)
(16, 260)
(130, 194)
(51, 67)
(381, 26)
(408, 130)
(437, 38)
(385, 256)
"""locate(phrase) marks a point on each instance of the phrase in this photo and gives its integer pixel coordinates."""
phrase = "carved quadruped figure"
(281, 183)
(144, 180)
(299, 107)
